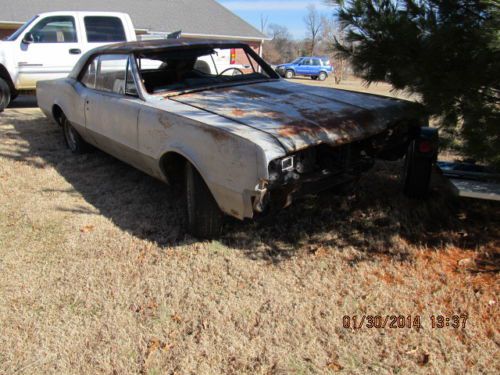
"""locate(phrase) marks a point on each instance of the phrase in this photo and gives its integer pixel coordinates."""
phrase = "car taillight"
(233, 56)
(425, 146)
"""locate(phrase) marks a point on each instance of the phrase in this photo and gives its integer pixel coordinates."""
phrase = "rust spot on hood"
(246, 94)
(347, 125)
(274, 90)
(238, 112)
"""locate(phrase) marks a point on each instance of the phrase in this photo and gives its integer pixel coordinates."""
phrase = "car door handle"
(75, 51)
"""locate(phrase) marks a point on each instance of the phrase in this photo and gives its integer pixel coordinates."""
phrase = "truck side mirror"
(28, 38)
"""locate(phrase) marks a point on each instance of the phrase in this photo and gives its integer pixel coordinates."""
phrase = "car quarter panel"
(231, 160)
(66, 94)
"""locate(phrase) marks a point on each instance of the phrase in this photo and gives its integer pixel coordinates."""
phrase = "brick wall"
(4, 33)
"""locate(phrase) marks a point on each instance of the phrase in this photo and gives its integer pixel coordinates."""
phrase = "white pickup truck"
(49, 45)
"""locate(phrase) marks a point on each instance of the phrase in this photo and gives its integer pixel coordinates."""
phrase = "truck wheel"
(416, 174)
(322, 76)
(289, 74)
(4, 94)
(74, 141)
(204, 218)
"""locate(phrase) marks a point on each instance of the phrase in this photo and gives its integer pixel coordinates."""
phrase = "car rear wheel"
(74, 141)
(322, 76)
(5, 95)
(289, 74)
(416, 174)
(204, 218)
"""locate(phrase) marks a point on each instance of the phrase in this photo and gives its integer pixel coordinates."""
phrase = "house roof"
(194, 17)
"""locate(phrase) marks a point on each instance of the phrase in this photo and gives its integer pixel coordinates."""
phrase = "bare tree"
(332, 32)
(263, 23)
(313, 24)
(282, 47)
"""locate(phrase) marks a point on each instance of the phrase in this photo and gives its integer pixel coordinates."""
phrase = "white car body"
(256, 144)
(22, 64)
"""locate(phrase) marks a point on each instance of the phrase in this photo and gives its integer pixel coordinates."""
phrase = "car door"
(112, 107)
(49, 50)
(315, 67)
(303, 67)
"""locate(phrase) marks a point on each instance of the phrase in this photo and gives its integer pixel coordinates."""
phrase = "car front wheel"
(416, 174)
(204, 218)
(74, 141)
(322, 76)
(289, 74)
(5, 94)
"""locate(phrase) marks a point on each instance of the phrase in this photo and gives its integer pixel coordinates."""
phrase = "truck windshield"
(21, 29)
(173, 71)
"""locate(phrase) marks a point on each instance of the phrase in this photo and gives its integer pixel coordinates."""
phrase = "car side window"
(89, 77)
(130, 88)
(306, 62)
(57, 29)
(104, 29)
(111, 73)
(316, 62)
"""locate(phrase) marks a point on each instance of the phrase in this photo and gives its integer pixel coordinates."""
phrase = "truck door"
(101, 30)
(48, 50)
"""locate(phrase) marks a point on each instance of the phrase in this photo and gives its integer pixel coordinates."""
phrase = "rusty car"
(240, 142)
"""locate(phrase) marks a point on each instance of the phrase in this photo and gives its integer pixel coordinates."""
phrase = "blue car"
(314, 67)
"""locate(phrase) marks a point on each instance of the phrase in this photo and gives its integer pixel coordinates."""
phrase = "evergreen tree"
(447, 51)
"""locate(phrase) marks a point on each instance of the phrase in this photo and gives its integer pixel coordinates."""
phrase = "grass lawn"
(98, 276)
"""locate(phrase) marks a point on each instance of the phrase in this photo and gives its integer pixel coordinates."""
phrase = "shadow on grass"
(374, 218)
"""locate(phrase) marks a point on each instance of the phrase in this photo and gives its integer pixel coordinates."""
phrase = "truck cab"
(50, 44)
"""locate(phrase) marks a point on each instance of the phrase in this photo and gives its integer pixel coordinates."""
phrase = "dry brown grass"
(97, 276)
(355, 84)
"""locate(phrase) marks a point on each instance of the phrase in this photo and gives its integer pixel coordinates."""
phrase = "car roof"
(155, 45)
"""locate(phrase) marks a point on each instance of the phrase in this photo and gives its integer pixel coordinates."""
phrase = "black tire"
(74, 141)
(204, 218)
(5, 94)
(289, 74)
(416, 174)
(314, 78)
(322, 76)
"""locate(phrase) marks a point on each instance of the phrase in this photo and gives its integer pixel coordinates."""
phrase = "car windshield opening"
(196, 68)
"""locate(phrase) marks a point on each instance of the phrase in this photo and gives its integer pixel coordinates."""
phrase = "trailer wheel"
(416, 174)
(5, 94)
(204, 218)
